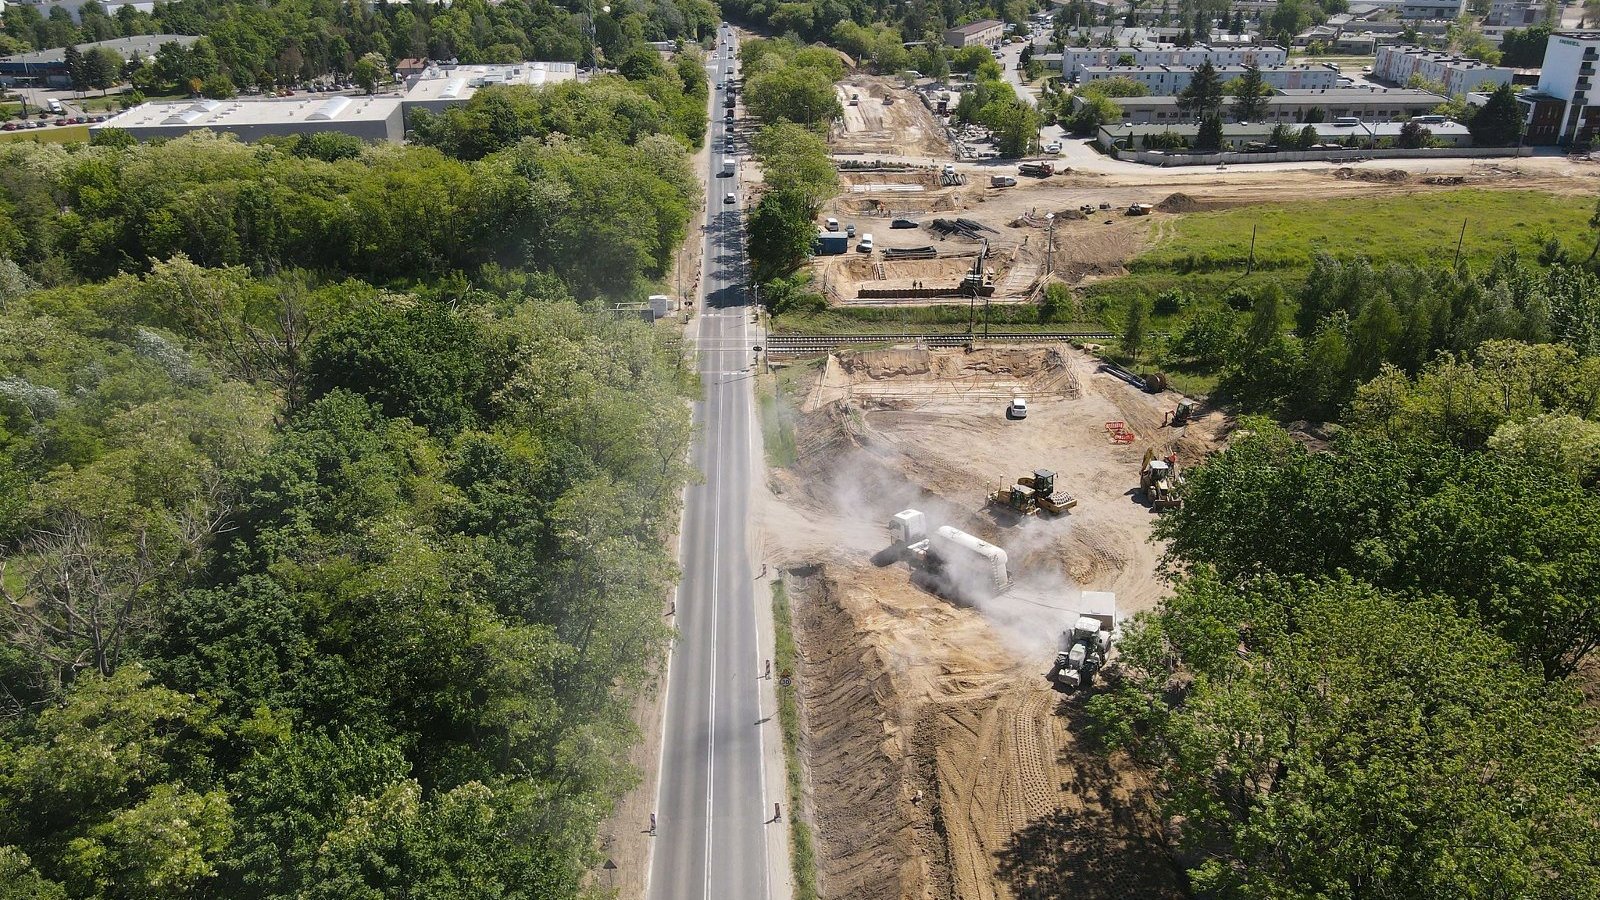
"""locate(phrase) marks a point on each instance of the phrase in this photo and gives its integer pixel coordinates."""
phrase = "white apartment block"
(1458, 74)
(1074, 59)
(1166, 81)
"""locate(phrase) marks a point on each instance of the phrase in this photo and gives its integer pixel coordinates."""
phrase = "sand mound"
(1181, 203)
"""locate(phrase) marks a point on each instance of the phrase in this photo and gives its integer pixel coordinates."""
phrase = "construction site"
(940, 551)
(943, 233)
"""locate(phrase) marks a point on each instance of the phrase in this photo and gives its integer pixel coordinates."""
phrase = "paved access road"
(712, 807)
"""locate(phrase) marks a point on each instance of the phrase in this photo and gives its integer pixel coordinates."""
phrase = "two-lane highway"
(712, 807)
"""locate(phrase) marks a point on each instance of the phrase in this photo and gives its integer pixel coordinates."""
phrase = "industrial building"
(985, 33)
(440, 86)
(1236, 137)
(1074, 59)
(1367, 104)
(48, 68)
(1458, 74)
(368, 118)
(1443, 10)
(1170, 80)
(1561, 109)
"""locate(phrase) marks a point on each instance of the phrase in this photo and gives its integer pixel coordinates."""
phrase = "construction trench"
(939, 760)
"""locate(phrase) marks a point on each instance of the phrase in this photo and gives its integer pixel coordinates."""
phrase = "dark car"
(902, 223)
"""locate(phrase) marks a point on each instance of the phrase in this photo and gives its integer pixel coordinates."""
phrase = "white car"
(1018, 408)
(730, 198)
(1053, 147)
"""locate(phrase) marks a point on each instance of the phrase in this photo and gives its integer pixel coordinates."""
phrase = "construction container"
(831, 243)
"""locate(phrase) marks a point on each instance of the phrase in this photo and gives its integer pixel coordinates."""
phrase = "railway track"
(822, 343)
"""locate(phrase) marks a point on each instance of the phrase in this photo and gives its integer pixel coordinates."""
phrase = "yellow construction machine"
(1180, 417)
(1032, 494)
(1159, 479)
(1043, 482)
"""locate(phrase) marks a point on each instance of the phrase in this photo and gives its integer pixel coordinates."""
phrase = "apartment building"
(1458, 74)
(1165, 80)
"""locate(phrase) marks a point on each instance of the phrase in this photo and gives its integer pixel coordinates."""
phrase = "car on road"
(1053, 147)
(849, 231)
(1018, 408)
(730, 198)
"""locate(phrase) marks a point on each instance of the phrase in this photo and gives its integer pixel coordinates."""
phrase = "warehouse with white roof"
(441, 86)
(368, 118)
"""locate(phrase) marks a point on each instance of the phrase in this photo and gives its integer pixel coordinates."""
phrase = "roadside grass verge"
(802, 852)
(775, 401)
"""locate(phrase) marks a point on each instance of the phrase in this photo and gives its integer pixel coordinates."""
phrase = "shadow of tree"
(1086, 856)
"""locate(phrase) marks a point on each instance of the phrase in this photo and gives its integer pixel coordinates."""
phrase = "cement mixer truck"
(1086, 645)
(949, 562)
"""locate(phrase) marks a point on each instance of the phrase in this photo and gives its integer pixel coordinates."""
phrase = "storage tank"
(970, 563)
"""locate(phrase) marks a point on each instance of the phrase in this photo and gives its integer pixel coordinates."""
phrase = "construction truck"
(1139, 209)
(1037, 169)
(1180, 417)
(949, 562)
(1085, 647)
(1158, 479)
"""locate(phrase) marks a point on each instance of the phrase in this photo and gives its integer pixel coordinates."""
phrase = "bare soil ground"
(940, 762)
(902, 127)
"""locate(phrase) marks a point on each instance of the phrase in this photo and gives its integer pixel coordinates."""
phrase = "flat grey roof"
(141, 45)
(1331, 95)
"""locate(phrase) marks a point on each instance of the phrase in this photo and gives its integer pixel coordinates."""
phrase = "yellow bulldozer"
(1033, 494)
(1159, 480)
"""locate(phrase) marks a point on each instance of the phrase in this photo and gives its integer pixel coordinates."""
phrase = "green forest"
(333, 501)
(284, 42)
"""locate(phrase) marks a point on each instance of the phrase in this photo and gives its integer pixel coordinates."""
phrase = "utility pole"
(1049, 243)
(1459, 241)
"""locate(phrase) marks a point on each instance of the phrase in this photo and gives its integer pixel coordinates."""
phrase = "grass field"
(65, 134)
(1205, 254)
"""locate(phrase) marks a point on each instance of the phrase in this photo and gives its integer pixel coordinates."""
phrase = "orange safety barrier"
(1120, 433)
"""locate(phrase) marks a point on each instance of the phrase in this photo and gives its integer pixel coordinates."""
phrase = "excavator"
(1158, 479)
(1180, 417)
(1033, 494)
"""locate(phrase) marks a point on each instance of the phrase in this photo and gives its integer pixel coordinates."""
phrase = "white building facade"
(1169, 80)
(1075, 59)
(1458, 74)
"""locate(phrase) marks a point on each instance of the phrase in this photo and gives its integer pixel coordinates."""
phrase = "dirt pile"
(1182, 203)
(1387, 176)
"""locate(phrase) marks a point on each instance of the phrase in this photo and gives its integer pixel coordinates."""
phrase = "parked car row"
(43, 123)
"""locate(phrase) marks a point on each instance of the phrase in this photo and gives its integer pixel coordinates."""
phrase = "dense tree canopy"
(404, 626)
(1318, 737)
(600, 214)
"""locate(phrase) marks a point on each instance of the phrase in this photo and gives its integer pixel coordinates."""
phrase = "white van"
(55, 106)
(865, 244)
(833, 224)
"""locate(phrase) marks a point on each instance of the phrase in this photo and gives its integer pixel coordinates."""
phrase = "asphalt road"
(712, 807)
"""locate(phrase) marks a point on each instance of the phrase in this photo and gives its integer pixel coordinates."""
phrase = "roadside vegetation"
(334, 504)
(802, 849)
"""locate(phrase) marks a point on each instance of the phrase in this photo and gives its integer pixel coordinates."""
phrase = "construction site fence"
(1159, 158)
(926, 293)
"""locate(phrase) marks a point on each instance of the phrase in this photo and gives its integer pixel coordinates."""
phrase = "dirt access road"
(939, 761)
